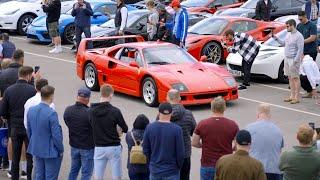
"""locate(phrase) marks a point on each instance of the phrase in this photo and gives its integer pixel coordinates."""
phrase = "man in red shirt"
(215, 136)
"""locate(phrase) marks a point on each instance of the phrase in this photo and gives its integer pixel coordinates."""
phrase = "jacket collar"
(20, 81)
(14, 65)
(304, 149)
(80, 104)
(241, 153)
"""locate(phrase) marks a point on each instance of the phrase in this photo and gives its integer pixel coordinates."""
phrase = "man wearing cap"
(163, 145)
(240, 165)
(76, 118)
(179, 25)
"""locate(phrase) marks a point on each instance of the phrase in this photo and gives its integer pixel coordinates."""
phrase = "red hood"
(196, 37)
(189, 75)
(199, 9)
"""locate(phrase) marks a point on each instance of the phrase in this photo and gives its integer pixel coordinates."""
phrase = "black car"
(280, 8)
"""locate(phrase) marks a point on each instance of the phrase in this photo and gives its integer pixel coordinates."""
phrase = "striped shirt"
(293, 45)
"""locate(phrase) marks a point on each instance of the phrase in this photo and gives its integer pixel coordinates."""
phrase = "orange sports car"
(150, 69)
(210, 6)
(204, 38)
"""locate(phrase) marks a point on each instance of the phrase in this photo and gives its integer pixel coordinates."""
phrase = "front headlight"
(265, 56)
(230, 81)
(11, 12)
(180, 87)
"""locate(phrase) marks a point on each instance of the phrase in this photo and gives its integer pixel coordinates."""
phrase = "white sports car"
(18, 14)
(269, 62)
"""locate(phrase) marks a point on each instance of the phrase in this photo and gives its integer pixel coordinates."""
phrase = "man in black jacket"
(12, 109)
(183, 118)
(120, 20)
(104, 119)
(263, 10)
(53, 10)
(76, 118)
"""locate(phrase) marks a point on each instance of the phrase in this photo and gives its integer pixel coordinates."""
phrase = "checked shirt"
(245, 45)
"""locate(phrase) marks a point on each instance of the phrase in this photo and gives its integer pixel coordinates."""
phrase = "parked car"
(150, 69)
(102, 12)
(18, 14)
(204, 38)
(269, 62)
(210, 6)
(280, 8)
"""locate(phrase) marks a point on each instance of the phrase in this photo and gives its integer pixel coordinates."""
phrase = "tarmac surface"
(60, 70)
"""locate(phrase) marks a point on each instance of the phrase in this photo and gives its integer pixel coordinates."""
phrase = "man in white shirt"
(309, 76)
(35, 100)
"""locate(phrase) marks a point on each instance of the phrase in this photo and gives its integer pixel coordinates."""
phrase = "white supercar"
(269, 61)
(18, 14)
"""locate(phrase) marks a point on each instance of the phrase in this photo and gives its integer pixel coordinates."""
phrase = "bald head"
(264, 111)
(173, 96)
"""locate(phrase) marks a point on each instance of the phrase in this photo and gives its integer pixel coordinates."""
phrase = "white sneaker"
(56, 50)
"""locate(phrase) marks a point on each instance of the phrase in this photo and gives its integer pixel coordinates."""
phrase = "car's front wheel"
(91, 77)
(150, 92)
(69, 33)
(213, 51)
(24, 22)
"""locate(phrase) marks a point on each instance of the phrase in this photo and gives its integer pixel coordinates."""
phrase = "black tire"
(92, 84)
(23, 22)
(215, 55)
(281, 77)
(149, 101)
(69, 33)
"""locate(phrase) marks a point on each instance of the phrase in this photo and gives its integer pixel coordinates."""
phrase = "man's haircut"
(229, 32)
(4, 36)
(291, 22)
(46, 92)
(302, 13)
(40, 83)
(305, 134)
(151, 3)
(218, 105)
(264, 108)
(106, 90)
(5, 63)
(174, 94)
(25, 71)
(18, 54)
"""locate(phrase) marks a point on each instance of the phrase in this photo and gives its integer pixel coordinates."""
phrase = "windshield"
(272, 42)
(250, 4)
(194, 3)
(210, 26)
(31, 1)
(167, 55)
(132, 18)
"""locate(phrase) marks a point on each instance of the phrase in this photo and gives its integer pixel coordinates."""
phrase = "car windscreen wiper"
(159, 62)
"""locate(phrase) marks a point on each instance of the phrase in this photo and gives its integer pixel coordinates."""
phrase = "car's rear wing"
(105, 42)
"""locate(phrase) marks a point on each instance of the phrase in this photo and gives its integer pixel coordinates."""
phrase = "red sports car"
(204, 38)
(210, 6)
(150, 69)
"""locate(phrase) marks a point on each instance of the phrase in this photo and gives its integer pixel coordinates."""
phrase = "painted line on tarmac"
(54, 58)
(281, 107)
(25, 39)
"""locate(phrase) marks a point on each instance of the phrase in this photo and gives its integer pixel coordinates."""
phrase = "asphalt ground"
(60, 70)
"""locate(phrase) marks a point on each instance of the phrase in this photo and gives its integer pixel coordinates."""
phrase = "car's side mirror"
(267, 31)
(134, 64)
(203, 58)
(216, 5)
(97, 14)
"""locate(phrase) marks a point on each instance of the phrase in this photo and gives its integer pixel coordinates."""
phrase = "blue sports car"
(102, 12)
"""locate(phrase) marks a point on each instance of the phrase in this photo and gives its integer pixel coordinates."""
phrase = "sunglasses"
(288, 26)
(300, 19)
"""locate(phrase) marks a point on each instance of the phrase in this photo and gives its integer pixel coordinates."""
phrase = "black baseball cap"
(84, 92)
(165, 108)
(243, 137)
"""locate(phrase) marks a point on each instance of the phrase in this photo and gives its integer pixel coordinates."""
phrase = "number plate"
(235, 72)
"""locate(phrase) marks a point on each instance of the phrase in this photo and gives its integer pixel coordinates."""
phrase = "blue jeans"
(87, 34)
(103, 155)
(173, 177)
(81, 158)
(47, 168)
(207, 173)
(138, 176)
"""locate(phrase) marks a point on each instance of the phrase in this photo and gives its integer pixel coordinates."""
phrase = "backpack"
(136, 154)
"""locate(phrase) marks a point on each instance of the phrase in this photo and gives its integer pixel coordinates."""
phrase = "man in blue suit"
(45, 136)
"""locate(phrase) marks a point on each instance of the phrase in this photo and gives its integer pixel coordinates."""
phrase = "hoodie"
(104, 119)
(184, 118)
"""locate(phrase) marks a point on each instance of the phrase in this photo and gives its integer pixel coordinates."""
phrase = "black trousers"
(313, 55)
(185, 170)
(174, 40)
(305, 84)
(271, 176)
(87, 33)
(246, 69)
(18, 136)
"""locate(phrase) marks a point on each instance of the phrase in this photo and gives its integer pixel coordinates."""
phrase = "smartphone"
(36, 69)
(311, 124)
